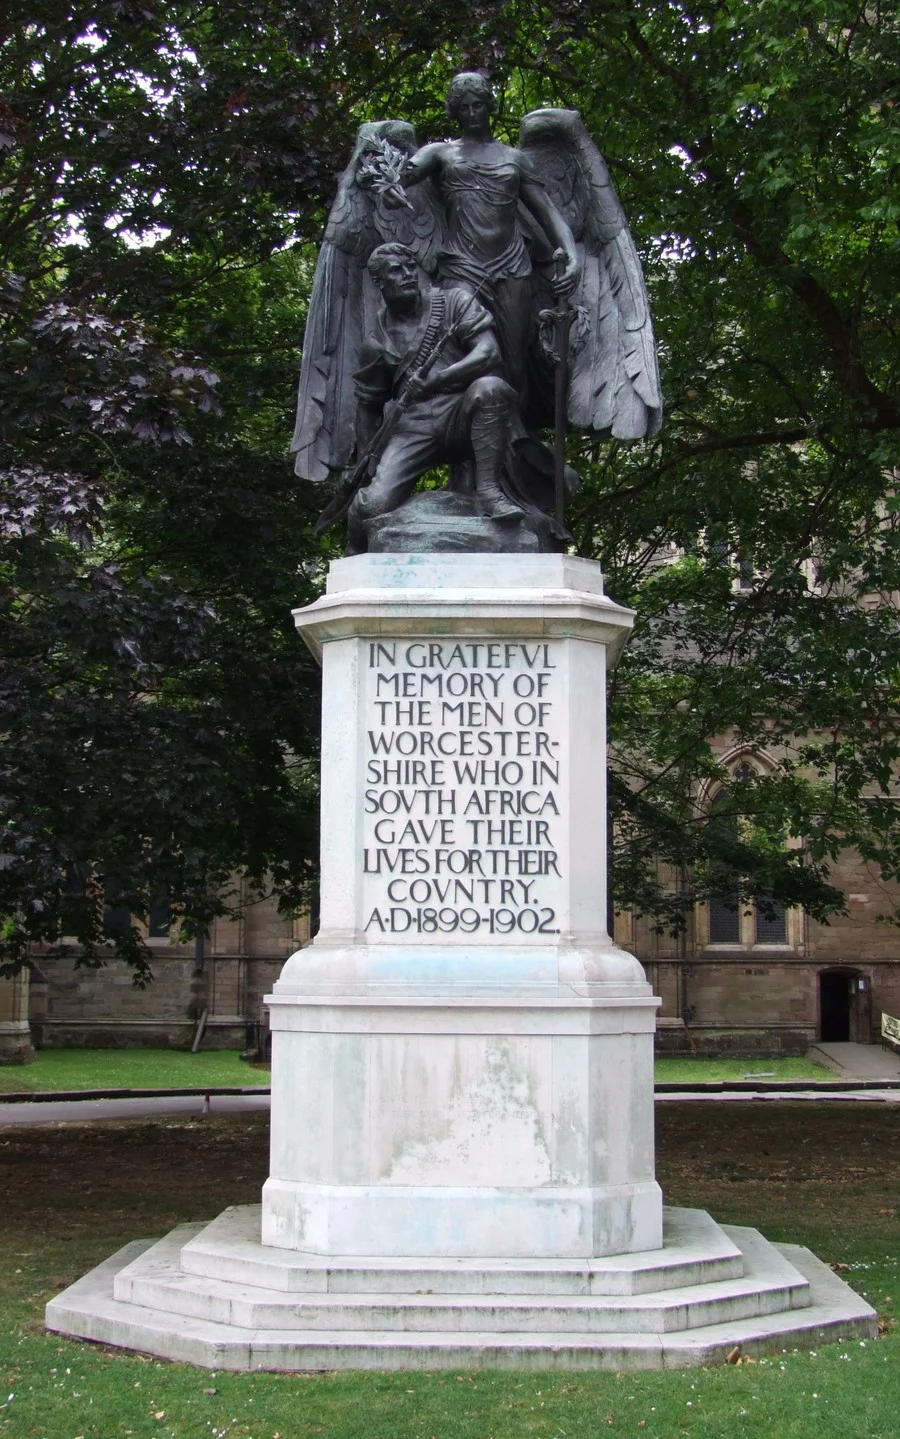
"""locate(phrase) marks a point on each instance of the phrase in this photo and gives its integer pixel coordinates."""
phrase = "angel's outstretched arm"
(535, 198)
(425, 162)
(417, 168)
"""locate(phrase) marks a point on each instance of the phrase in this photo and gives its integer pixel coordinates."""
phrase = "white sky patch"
(146, 239)
(680, 154)
(90, 39)
(74, 234)
(162, 98)
(672, 249)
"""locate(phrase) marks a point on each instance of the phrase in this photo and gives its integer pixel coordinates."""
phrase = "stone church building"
(741, 982)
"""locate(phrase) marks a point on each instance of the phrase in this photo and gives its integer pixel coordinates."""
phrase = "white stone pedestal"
(462, 1059)
(462, 1084)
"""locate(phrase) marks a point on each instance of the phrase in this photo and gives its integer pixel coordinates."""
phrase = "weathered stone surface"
(696, 1251)
(231, 1316)
(462, 1059)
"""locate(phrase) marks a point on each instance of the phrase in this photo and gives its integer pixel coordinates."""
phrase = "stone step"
(88, 1310)
(769, 1285)
(696, 1251)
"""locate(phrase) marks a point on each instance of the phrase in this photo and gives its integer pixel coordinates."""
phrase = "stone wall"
(763, 1000)
(93, 1008)
(15, 1037)
(97, 1008)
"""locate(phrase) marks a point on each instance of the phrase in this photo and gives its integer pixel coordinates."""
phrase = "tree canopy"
(166, 170)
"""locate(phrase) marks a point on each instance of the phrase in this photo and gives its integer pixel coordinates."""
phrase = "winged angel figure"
(519, 230)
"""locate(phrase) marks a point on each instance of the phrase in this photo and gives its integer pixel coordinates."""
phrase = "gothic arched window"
(732, 921)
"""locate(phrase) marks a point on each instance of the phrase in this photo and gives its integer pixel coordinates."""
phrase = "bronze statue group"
(468, 297)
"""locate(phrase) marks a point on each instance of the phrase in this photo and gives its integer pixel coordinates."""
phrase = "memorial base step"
(696, 1250)
(211, 1295)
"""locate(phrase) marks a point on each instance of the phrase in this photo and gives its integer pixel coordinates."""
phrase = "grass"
(56, 1069)
(823, 1174)
(698, 1068)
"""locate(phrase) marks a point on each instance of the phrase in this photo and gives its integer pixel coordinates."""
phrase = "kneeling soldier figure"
(461, 410)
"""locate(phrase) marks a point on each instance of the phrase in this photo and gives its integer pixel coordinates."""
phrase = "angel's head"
(470, 100)
(395, 270)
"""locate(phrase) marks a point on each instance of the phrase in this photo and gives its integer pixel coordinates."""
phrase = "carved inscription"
(462, 799)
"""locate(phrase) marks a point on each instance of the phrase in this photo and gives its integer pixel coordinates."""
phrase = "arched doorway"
(845, 1006)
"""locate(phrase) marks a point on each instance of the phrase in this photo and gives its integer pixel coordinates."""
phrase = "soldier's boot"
(490, 434)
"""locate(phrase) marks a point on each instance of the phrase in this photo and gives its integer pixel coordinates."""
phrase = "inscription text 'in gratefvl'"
(462, 800)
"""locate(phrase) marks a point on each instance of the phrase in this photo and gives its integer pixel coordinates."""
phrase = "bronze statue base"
(437, 521)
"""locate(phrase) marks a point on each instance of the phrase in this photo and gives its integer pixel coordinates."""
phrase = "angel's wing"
(613, 377)
(343, 303)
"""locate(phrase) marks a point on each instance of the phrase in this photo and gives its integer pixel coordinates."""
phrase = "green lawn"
(129, 1069)
(827, 1175)
(56, 1069)
(842, 1392)
(695, 1069)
